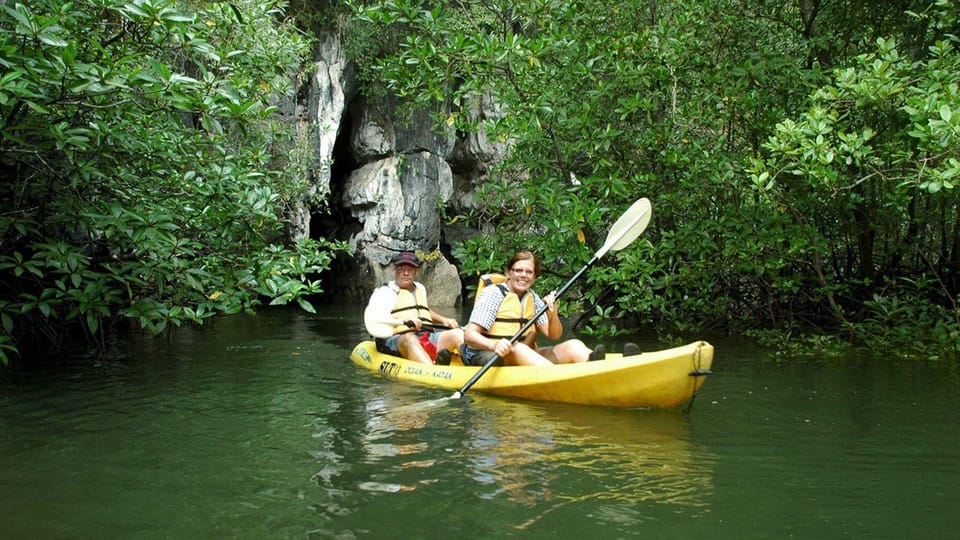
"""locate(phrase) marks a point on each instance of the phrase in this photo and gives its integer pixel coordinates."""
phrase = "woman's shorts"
(473, 357)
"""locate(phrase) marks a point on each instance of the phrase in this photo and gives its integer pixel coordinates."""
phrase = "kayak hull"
(656, 379)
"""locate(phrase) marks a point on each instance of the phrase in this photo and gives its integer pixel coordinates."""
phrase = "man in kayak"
(403, 323)
(501, 311)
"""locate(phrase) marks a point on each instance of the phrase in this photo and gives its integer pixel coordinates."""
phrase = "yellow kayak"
(656, 379)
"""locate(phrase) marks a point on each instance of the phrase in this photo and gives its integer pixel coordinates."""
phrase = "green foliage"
(792, 344)
(604, 103)
(869, 173)
(763, 215)
(316, 17)
(144, 174)
(894, 314)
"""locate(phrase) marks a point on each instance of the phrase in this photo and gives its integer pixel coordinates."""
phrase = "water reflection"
(391, 434)
(540, 456)
(530, 454)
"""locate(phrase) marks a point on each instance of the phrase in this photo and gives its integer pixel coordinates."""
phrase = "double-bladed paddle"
(622, 234)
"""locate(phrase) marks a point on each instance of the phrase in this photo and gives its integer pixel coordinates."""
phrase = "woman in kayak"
(501, 311)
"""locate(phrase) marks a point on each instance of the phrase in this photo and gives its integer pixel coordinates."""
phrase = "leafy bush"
(144, 176)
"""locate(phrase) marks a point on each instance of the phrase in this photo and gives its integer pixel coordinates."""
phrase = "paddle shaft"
(429, 326)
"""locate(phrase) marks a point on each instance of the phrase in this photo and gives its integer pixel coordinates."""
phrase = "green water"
(262, 428)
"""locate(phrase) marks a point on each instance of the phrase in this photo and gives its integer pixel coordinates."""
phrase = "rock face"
(395, 199)
(389, 175)
(318, 122)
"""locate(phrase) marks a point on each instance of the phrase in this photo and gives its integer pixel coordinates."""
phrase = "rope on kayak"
(698, 371)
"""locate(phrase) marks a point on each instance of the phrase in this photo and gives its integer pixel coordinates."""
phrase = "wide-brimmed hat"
(406, 257)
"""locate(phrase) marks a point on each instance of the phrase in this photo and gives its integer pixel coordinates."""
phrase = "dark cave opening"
(334, 222)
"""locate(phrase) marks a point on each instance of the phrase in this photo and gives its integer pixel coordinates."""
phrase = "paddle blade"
(628, 227)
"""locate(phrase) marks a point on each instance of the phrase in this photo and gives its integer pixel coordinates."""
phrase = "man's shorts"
(389, 345)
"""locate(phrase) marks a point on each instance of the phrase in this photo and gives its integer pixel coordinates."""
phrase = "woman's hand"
(503, 347)
(551, 301)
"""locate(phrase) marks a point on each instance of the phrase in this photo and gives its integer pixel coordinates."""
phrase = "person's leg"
(522, 355)
(450, 339)
(411, 349)
(547, 352)
(571, 351)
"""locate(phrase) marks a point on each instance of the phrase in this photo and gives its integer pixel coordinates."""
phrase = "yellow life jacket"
(410, 305)
(486, 280)
(514, 312)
